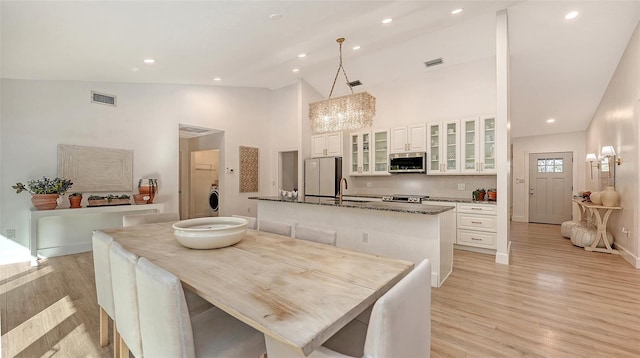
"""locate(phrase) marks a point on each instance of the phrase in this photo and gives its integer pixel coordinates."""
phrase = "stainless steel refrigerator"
(322, 176)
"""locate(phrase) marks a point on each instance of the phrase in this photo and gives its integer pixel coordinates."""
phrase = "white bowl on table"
(210, 233)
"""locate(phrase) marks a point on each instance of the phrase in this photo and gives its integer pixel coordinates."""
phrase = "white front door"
(550, 187)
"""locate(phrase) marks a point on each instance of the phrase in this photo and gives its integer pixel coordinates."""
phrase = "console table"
(36, 215)
(598, 215)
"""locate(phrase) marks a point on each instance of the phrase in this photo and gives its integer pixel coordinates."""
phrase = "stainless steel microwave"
(414, 162)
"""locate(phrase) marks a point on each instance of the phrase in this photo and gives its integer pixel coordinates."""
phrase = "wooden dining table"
(297, 293)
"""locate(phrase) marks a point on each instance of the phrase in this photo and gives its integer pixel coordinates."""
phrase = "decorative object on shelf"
(45, 192)
(595, 198)
(148, 187)
(610, 197)
(74, 200)
(109, 200)
(478, 195)
(289, 195)
(140, 199)
(342, 113)
(492, 194)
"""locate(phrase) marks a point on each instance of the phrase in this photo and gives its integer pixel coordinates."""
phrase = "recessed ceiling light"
(456, 11)
(217, 79)
(275, 17)
(387, 20)
(571, 15)
(551, 120)
(356, 47)
(296, 70)
(149, 61)
(302, 55)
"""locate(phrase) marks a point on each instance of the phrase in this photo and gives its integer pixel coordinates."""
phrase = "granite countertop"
(423, 209)
(445, 199)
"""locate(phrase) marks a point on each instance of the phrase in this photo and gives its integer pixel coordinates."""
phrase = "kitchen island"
(409, 232)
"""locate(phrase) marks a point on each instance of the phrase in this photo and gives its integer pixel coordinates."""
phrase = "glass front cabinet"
(369, 153)
(444, 147)
(478, 146)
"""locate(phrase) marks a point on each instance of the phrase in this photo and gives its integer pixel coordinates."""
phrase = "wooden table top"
(589, 204)
(297, 292)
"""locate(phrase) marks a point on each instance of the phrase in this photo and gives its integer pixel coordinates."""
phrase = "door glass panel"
(550, 165)
(354, 153)
(381, 156)
(452, 134)
(469, 145)
(434, 142)
(365, 151)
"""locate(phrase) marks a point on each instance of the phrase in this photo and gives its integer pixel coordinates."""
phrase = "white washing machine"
(214, 200)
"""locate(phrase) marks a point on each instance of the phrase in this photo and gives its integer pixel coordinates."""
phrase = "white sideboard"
(68, 231)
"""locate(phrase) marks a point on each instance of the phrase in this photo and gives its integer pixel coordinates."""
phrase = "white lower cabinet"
(477, 225)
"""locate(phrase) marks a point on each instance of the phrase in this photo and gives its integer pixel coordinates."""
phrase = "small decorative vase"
(492, 195)
(45, 201)
(75, 201)
(148, 187)
(610, 197)
(595, 198)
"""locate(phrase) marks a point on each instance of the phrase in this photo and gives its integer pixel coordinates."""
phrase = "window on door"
(550, 165)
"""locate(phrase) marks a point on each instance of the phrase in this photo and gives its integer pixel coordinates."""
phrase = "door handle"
(531, 190)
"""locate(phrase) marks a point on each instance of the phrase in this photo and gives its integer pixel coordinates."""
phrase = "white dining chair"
(322, 236)
(399, 326)
(275, 227)
(196, 303)
(125, 299)
(101, 244)
(140, 219)
(168, 331)
(251, 220)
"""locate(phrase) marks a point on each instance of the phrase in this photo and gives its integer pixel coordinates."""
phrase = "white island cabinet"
(409, 232)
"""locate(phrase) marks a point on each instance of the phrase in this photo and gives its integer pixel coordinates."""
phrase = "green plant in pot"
(478, 195)
(74, 200)
(44, 191)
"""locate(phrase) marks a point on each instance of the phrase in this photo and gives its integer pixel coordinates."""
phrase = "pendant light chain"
(340, 41)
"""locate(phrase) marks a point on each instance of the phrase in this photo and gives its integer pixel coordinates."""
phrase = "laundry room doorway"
(201, 157)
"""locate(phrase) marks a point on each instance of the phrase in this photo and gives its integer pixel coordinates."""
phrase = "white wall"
(616, 122)
(39, 115)
(284, 129)
(522, 146)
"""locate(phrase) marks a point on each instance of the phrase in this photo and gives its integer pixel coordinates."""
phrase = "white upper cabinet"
(478, 136)
(369, 152)
(444, 147)
(408, 139)
(326, 145)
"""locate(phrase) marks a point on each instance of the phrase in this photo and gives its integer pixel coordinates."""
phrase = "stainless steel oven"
(414, 162)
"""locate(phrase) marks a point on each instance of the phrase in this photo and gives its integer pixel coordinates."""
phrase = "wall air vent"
(354, 83)
(103, 98)
(436, 62)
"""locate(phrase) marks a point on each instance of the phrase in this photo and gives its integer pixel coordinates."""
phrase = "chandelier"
(342, 113)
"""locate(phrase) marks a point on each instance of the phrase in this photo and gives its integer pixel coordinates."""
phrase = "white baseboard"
(628, 256)
(479, 250)
(64, 250)
(503, 257)
(520, 219)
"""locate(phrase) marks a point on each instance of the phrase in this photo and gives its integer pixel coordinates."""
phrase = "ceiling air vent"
(103, 98)
(354, 83)
(436, 62)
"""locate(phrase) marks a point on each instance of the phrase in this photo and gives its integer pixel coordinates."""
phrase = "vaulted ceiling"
(559, 68)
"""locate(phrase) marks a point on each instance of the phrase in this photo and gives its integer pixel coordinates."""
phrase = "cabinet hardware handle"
(476, 209)
(476, 222)
(473, 238)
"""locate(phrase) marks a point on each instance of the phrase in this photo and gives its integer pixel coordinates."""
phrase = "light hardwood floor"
(554, 300)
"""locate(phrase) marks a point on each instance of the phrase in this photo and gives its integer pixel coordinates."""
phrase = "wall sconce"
(591, 157)
(608, 151)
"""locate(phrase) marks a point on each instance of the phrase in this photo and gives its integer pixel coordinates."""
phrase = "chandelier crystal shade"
(342, 113)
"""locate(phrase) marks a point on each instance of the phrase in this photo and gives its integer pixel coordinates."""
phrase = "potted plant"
(478, 195)
(75, 199)
(492, 194)
(98, 200)
(44, 192)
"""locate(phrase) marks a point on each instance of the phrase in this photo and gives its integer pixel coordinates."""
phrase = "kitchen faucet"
(346, 186)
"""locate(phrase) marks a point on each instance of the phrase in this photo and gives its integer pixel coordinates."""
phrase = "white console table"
(598, 220)
(35, 216)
